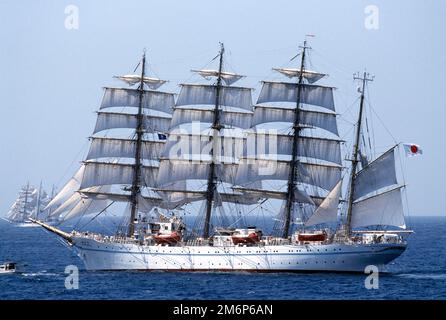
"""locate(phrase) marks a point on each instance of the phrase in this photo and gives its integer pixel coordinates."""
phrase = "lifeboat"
(317, 236)
(246, 238)
(168, 238)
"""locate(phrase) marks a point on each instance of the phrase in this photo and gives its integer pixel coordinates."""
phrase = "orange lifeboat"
(318, 236)
(169, 238)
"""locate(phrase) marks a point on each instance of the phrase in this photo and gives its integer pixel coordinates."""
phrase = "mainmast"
(294, 158)
(365, 78)
(137, 167)
(216, 126)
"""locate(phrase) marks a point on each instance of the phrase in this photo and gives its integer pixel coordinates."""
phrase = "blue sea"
(420, 273)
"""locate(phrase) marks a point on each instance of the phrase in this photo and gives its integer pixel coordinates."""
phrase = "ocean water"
(420, 273)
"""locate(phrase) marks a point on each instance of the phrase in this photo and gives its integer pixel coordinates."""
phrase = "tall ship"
(30, 203)
(216, 155)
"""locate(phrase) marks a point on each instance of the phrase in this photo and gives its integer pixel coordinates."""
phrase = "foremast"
(216, 127)
(294, 158)
(365, 78)
(136, 188)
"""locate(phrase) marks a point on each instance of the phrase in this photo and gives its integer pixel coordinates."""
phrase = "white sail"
(323, 176)
(180, 144)
(385, 209)
(191, 160)
(231, 118)
(310, 76)
(123, 148)
(155, 100)
(200, 94)
(177, 170)
(132, 79)
(67, 191)
(268, 114)
(25, 205)
(228, 77)
(287, 92)
(85, 206)
(181, 192)
(327, 212)
(264, 145)
(102, 173)
(378, 174)
(114, 120)
(69, 204)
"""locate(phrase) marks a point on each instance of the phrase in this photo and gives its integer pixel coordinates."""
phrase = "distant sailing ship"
(213, 147)
(30, 203)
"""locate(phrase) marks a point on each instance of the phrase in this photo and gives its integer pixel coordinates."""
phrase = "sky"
(52, 71)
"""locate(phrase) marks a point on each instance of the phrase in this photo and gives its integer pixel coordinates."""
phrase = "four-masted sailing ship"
(215, 152)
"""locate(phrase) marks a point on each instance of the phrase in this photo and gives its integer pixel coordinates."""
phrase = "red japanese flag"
(412, 149)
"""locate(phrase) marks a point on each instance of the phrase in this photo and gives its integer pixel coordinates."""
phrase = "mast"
(216, 129)
(365, 78)
(38, 201)
(294, 159)
(137, 167)
(26, 201)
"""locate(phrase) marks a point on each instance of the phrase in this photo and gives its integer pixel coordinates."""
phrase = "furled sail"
(132, 79)
(310, 76)
(228, 77)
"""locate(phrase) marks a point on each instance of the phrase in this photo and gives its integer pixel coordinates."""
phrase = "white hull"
(326, 257)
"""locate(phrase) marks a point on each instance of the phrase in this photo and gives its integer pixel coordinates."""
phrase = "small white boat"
(8, 268)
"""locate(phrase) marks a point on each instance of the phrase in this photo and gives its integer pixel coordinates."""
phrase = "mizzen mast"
(365, 78)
